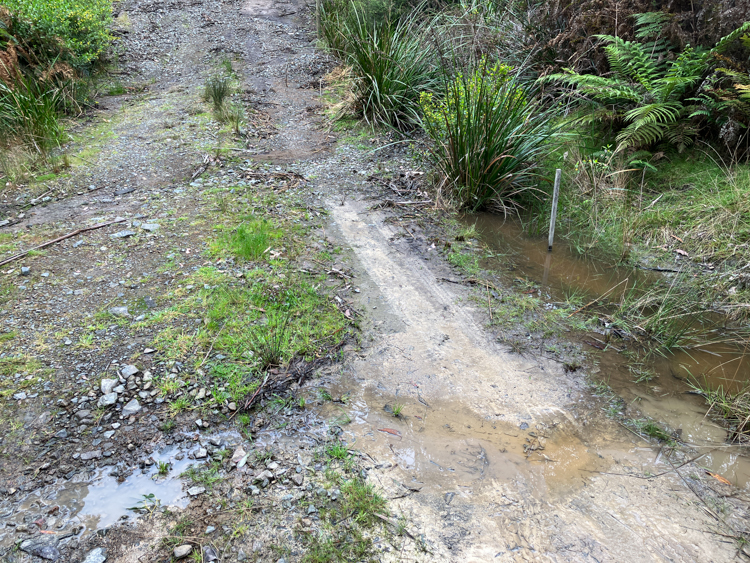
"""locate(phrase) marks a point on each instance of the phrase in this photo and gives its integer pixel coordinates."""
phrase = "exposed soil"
(486, 454)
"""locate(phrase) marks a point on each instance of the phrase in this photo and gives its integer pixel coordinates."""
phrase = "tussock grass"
(216, 90)
(29, 114)
(734, 408)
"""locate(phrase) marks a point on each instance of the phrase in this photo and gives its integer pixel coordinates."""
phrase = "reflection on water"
(665, 398)
(96, 500)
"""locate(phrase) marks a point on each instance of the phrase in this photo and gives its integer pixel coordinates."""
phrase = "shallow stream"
(666, 397)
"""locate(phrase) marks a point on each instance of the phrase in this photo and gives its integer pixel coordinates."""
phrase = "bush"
(490, 133)
(76, 31)
(29, 114)
(391, 64)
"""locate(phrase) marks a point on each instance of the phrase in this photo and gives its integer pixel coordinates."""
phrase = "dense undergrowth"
(651, 134)
(49, 49)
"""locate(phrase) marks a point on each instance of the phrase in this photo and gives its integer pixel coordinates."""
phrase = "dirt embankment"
(483, 454)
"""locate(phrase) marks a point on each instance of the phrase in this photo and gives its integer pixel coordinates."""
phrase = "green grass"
(205, 475)
(250, 240)
(216, 91)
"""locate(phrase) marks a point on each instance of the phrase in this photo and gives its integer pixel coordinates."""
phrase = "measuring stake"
(555, 196)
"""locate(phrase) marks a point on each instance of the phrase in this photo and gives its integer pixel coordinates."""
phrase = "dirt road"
(485, 454)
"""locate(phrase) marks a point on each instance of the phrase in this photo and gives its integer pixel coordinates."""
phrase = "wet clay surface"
(493, 456)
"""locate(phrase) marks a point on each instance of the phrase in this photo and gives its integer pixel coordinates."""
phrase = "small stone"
(210, 529)
(311, 509)
(107, 400)
(209, 554)
(199, 423)
(129, 371)
(201, 394)
(98, 555)
(239, 453)
(195, 491)
(182, 551)
(298, 479)
(241, 555)
(131, 408)
(62, 434)
(202, 453)
(150, 227)
(120, 389)
(94, 454)
(19, 396)
(122, 234)
(119, 311)
(83, 413)
(107, 385)
(232, 406)
(25, 271)
(42, 548)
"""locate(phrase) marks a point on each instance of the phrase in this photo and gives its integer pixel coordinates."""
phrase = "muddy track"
(493, 456)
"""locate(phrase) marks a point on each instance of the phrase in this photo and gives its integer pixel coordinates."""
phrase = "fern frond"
(630, 60)
(662, 113)
(725, 42)
(641, 136)
(601, 89)
(650, 24)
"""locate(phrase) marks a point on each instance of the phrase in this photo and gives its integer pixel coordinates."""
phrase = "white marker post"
(555, 196)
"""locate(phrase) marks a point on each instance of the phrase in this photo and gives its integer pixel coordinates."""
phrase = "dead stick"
(597, 299)
(51, 242)
(489, 303)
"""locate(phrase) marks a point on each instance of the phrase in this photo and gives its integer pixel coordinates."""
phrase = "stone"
(93, 454)
(209, 553)
(150, 227)
(201, 394)
(122, 234)
(129, 371)
(83, 413)
(298, 479)
(107, 400)
(263, 476)
(62, 434)
(131, 408)
(42, 547)
(202, 453)
(238, 454)
(210, 529)
(120, 389)
(98, 555)
(195, 491)
(182, 551)
(107, 385)
(241, 555)
(232, 406)
(25, 271)
(119, 311)
(19, 396)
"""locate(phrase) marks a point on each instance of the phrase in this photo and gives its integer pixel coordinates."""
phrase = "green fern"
(646, 91)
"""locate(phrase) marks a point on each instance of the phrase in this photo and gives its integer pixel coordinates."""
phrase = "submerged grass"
(733, 408)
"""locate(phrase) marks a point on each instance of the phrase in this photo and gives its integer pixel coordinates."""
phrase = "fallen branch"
(51, 242)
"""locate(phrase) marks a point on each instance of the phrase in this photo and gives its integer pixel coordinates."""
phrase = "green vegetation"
(206, 475)
(732, 407)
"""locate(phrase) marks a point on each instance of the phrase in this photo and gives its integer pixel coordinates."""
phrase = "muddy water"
(666, 397)
(95, 500)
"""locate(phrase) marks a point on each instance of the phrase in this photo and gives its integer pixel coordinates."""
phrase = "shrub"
(489, 133)
(29, 114)
(391, 65)
(76, 30)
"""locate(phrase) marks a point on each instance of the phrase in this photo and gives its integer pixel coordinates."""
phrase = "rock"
(107, 385)
(25, 271)
(129, 371)
(202, 453)
(182, 551)
(93, 454)
(241, 555)
(98, 555)
(298, 479)
(195, 491)
(83, 413)
(238, 454)
(131, 408)
(120, 389)
(201, 394)
(232, 406)
(62, 434)
(119, 311)
(122, 234)
(107, 400)
(199, 423)
(150, 227)
(45, 548)
(209, 553)
(210, 529)
(263, 476)
(123, 191)
(19, 396)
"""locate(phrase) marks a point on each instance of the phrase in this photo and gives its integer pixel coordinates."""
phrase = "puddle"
(95, 500)
(665, 398)
(446, 447)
